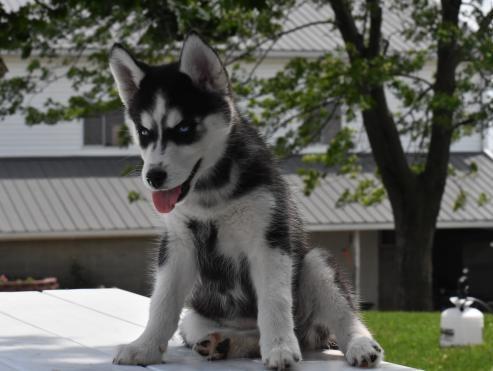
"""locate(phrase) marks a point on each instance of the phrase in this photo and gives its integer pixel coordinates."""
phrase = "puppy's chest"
(224, 287)
(220, 252)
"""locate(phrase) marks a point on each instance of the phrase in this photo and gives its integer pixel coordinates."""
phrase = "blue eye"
(143, 131)
(185, 127)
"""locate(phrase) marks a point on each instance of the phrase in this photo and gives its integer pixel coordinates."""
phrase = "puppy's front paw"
(282, 356)
(139, 353)
(364, 352)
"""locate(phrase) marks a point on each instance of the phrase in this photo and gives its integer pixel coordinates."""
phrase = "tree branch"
(375, 28)
(485, 22)
(275, 38)
(347, 26)
(435, 172)
(378, 121)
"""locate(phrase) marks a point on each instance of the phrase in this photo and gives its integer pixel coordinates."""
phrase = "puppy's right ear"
(126, 71)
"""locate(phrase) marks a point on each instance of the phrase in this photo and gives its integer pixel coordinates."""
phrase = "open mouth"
(165, 201)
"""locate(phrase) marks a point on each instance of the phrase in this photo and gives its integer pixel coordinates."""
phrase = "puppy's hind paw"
(213, 346)
(364, 352)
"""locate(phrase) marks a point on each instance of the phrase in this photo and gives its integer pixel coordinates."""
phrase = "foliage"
(347, 76)
(70, 39)
(134, 196)
(412, 339)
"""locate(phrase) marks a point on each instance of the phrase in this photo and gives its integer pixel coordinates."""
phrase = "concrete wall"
(123, 263)
(126, 263)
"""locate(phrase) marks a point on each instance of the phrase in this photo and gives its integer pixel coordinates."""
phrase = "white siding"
(18, 139)
(65, 138)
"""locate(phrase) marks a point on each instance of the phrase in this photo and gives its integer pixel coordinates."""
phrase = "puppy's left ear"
(199, 61)
(128, 73)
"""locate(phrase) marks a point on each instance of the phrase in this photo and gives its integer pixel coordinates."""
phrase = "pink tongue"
(165, 201)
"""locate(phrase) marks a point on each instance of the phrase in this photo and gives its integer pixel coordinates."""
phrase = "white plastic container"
(461, 327)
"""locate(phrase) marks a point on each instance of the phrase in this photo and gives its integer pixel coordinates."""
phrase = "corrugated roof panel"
(145, 205)
(55, 201)
(100, 197)
(117, 203)
(120, 192)
(19, 206)
(94, 207)
(31, 205)
(101, 204)
(15, 220)
(75, 204)
(45, 206)
(339, 185)
(320, 198)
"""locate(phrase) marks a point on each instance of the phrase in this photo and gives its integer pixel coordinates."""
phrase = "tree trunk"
(415, 224)
(413, 258)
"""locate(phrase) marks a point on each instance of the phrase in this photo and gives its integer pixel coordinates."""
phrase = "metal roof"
(322, 37)
(77, 197)
(315, 39)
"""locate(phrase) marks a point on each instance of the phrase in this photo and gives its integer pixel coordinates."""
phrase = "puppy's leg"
(332, 307)
(213, 340)
(271, 272)
(174, 279)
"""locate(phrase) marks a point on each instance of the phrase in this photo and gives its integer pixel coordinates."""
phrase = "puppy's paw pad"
(364, 352)
(213, 346)
(282, 357)
(138, 354)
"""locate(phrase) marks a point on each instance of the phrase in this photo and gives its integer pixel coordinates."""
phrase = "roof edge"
(108, 234)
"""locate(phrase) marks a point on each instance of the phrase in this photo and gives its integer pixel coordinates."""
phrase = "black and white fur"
(234, 249)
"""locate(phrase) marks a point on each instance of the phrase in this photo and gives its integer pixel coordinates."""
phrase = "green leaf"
(134, 196)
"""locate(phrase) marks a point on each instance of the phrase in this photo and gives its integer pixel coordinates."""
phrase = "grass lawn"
(412, 339)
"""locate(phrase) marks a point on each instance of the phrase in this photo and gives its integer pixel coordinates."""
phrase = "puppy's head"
(181, 115)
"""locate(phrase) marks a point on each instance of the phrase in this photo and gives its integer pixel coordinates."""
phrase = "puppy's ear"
(126, 71)
(199, 61)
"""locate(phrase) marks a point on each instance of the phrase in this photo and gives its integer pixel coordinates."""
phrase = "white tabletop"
(60, 330)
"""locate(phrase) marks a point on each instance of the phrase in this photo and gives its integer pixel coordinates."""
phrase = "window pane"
(333, 126)
(102, 130)
(93, 133)
(114, 121)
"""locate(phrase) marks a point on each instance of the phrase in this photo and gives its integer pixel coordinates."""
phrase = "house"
(67, 211)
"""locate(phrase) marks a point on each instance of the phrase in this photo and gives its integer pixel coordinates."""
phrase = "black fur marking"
(219, 176)
(256, 162)
(146, 136)
(179, 93)
(277, 234)
(213, 267)
(223, 347)
(182, 138)
(213, 295)
(163, 249)
(185, 187)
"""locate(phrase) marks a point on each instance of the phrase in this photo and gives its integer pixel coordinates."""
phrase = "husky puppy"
(233, 249)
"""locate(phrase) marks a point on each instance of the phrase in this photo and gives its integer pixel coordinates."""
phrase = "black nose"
(156, 178)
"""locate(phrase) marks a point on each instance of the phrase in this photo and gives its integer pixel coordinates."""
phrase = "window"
(333, 126)
(103, 129)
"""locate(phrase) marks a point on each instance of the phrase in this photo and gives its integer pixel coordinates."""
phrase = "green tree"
(456, 37)
(71, 39)
(300, 99)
